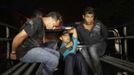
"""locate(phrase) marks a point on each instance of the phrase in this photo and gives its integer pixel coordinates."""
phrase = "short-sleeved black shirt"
(35, 30)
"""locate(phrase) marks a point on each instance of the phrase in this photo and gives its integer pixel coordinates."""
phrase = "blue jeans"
(95, 52)
(48, 57)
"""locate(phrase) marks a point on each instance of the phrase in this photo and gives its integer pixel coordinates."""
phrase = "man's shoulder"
(78, 25)
(98, 22)
(36, 20)
(32, 21)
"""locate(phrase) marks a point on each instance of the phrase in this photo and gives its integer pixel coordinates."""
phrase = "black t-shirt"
(35, 30)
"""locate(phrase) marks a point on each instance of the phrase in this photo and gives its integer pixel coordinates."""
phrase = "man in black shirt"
(26, 45)
(93, 33)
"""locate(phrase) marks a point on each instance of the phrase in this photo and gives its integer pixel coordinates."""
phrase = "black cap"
(63, 32)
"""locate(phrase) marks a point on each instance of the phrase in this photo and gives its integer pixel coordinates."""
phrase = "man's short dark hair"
(37, 13)
(55, 15)
(88, 10)
(63, 32)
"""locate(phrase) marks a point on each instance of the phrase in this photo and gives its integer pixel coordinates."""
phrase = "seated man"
(26, 45)
(71, 57)
(93, 33)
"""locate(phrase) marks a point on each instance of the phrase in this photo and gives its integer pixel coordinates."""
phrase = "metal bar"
(5, 39)
(8, 43)
(7, 25)
(125, 41)
(119, 64)
(20, 69)
(127, 37)
(119, 61)
(38, 72)
(12, 69)
(29, 71)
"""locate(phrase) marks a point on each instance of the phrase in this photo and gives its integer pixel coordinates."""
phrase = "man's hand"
(69, 45)
(13, 56)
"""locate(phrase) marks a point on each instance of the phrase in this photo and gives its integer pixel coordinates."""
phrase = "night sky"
(110, 12)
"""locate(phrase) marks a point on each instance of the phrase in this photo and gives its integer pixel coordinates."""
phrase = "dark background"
(110, 12)
(113, 13)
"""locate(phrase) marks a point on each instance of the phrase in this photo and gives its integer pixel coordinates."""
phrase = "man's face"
(52, 23)
(89, 18)
(65, 38)
(57, 23)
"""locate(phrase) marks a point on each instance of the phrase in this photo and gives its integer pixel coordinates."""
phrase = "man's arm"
(73, 32)
(19, 38)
